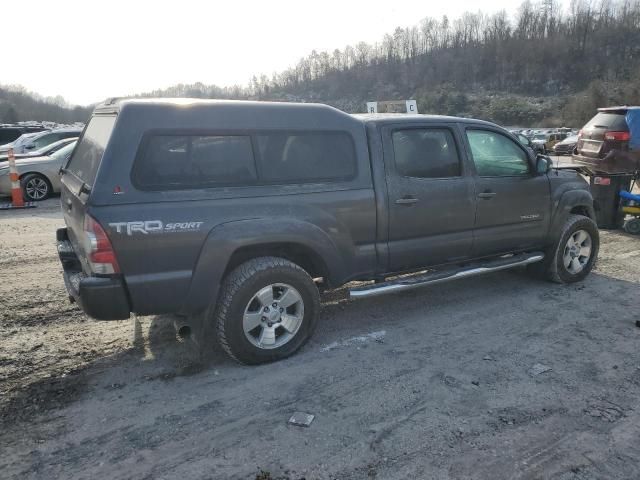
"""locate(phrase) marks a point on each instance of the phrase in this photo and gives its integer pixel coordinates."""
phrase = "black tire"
(238, 290)
(553, 267)
(35, 187)
(632, 226)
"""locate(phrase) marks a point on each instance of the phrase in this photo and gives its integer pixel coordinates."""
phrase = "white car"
(21, 139)
(41, 152)
(38, 175)
(38, 140)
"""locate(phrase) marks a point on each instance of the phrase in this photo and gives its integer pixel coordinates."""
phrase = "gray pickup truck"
(234, 215)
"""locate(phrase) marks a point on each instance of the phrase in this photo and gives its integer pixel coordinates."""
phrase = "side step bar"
(430, 278)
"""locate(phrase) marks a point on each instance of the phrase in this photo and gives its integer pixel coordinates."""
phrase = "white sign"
(393, 106)
(412, 106)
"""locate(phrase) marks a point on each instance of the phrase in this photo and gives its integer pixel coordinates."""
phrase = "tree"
(10, 115)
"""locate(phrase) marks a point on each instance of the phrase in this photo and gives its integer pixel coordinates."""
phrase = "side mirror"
(543, 164)
(29, 147)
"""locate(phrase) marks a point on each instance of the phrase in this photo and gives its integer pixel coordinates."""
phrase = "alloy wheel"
(577, 252)
(273, 316)
(37, 188)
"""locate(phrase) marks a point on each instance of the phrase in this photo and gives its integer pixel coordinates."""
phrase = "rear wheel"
(266, 311)
(35, 187)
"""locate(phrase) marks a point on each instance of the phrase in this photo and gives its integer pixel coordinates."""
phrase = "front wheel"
(266, 311)
(573, 256)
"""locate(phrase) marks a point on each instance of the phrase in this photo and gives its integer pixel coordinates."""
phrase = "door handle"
(407, 201)
(487, 195)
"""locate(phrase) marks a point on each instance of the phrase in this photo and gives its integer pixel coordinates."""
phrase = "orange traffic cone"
(17, 201)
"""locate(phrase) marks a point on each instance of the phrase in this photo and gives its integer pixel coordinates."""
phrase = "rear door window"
(194, 161)
(425, 153)
(304, 157)
(86, 158)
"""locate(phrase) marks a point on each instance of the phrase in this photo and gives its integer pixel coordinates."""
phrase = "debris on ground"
(539, 368)
(301, 419)
(360, 339)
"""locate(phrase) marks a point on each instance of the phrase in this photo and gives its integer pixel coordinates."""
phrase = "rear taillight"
(100, 254)
(619, 136)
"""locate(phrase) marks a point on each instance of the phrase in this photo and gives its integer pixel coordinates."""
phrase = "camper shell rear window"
(87, 156)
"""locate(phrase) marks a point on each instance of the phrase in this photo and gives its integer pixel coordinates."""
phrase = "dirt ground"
(493, 377)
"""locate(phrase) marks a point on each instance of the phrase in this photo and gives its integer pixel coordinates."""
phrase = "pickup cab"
(235, 215)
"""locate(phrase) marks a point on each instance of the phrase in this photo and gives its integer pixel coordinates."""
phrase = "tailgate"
(591, 142)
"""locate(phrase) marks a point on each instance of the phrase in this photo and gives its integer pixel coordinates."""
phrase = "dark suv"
(604, 133)
(233, 215)
(9, 133)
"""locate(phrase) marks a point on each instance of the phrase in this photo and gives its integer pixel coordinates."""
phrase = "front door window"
(496, 155)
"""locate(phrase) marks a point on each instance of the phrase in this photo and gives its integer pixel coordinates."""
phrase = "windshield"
(22, 138)
(540, 137)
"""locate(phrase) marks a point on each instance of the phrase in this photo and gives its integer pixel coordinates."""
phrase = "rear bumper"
(102, 298)
(616, 162)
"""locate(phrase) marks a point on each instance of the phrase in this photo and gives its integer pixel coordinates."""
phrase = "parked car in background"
(566, 146)
(39, 140)
(39, 176)
(42, 152)
(22, 138)
(605, 132)
(524, 140)
(9, 133)
(544, 142)
(527, 132)
(538, 141)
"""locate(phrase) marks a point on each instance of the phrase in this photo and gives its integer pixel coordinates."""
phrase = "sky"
(88, 50)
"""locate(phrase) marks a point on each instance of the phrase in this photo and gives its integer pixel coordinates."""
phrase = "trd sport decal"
(154, 226)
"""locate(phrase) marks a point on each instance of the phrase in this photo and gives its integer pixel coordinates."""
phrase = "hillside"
(16, 104)
(540, 66)
(543, 65)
